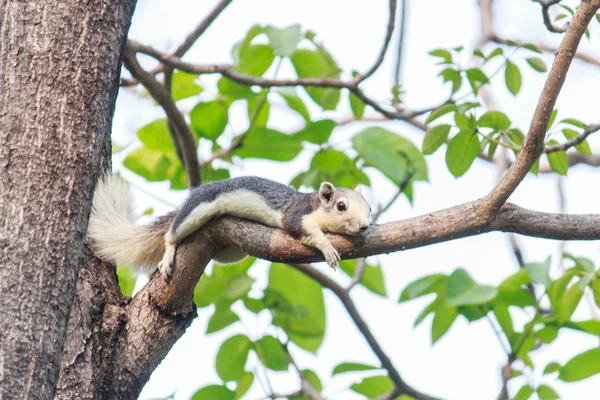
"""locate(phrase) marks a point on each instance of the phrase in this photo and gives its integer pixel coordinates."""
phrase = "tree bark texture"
(59, 71)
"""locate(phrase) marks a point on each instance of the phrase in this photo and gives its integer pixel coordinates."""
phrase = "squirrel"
(305, 216)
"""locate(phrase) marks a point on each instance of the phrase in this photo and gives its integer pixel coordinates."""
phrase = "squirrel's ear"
(358, 190)
(326, 192)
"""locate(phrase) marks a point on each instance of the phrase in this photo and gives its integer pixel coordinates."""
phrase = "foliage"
(293, 302)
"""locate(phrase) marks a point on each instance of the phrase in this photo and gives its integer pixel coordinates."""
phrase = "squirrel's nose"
(364, 228)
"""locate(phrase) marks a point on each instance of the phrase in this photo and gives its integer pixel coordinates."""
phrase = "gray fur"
(275, 194)
(299, 205)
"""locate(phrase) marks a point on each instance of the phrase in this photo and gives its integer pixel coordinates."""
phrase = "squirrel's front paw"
(168, 262)
(332, 257)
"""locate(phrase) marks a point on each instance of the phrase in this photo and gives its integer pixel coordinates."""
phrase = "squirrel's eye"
(341, 206)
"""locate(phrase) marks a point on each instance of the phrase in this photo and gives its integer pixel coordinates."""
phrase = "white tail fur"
(113, 231)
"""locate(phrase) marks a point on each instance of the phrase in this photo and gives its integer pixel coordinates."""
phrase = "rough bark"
(59, 70)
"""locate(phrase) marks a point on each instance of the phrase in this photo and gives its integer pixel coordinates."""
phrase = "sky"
(465, 364)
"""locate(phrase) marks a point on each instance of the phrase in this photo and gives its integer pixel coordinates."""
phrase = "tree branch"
(533, 145)
(184, 136)
(250, 80)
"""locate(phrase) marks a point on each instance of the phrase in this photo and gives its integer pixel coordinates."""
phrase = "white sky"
(465, 363)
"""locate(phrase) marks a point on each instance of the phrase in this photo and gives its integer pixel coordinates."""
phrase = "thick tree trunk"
(59, 70)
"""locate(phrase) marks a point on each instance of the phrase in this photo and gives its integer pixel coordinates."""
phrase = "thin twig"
(401, 34)
(388, 37)
(364, 329)
(575, 141)
(307, 389)
(185, 136)
(361, 266)
(546, 4)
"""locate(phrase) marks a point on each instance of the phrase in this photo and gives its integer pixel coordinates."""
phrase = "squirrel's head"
(343, 210)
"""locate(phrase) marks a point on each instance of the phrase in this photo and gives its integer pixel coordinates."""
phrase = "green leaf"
(352, 367)
(243, 385)
(152, 165)
(431, 307)
(524, 393)
(591, 326)
(126, 280)
(445, 55)
(461, 152)
(356, 105)
(294, 102)
(373, 386)
(317, 64)
(553, 115)
(423, 286)
(317, 132)
(537, 64)
(232, 356)
(258, 110)
(532, 47)
(237, 287)
(333, 166)
(271, 353)
(581, 366)
(372, 278)
(547, 334)
(570, 301)
(254, 59)
(475, 75)
(210, 174)
(156, 136)
(234, 90)
(539, 272)
(551, 368)
(434, 138)
(559, 162)
(313, 379)
(442, 321)
(209, 119)
(504, 320)
(496, 120)
(596, 291)
(583, 147)
(498, 51)
(254, 305)
(461, 289)
(221, 319)
(307, 296)
(512, 77)
(439, 112)
(269, 144)
(584, 264)
(574, 122)
(284, 41)
(183, 85)
(388, 152)
(545, 392)
(213, 392)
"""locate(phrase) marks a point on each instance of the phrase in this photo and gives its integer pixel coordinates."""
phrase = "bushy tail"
(115, 236)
